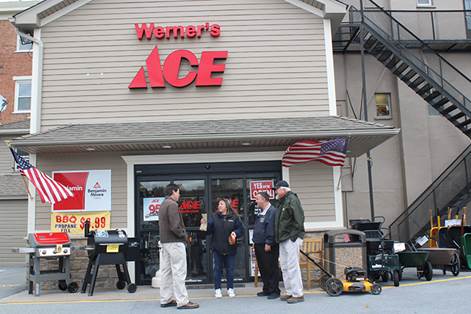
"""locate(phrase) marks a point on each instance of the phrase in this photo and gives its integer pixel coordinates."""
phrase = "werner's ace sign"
(160, 72)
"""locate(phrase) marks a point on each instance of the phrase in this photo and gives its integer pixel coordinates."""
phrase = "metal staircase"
(425, 71)
(434, 79)
(452, 189)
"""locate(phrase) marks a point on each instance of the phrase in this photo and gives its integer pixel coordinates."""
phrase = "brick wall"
(12, 64)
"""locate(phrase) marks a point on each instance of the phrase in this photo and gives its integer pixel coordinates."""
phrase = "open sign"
(261, 186)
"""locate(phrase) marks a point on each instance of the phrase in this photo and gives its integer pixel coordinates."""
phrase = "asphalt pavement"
(444, 294)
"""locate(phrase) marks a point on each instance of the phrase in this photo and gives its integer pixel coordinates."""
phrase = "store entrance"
(201, 186)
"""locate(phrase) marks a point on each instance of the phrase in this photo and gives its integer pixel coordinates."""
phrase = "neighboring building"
(93, 108)
(409, 171)
(15, 103)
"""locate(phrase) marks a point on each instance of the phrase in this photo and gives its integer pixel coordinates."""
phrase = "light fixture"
(246, 143)
(166, 146)
(90, 149)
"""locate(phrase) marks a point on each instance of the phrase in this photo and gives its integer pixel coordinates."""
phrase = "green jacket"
(289, 218)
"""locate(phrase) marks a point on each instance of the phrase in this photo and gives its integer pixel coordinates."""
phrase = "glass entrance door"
(192, 205)
(199, 194)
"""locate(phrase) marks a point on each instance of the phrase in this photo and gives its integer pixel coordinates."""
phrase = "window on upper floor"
(23, 44)
(22, 94)
(383, 106)
(424, 3)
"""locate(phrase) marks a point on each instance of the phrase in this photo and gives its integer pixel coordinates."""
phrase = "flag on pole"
(331, 152)
(48, 189)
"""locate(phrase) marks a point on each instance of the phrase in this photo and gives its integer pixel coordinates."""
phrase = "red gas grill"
(49, 245)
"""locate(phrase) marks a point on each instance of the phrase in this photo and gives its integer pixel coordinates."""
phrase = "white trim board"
(329, 57)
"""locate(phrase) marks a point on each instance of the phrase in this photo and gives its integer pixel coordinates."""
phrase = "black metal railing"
(444, 74)
(452, 189)
(431, 25)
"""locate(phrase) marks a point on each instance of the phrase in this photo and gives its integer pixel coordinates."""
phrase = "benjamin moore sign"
(91, 188)
(160, 71)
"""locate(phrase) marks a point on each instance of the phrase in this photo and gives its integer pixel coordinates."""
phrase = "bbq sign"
(204, 70)
(261, 186)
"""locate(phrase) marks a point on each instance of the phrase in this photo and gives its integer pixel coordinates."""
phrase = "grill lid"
(49, 238)
(110, 237)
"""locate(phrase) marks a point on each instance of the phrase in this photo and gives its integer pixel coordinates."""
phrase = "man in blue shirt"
(266, 249)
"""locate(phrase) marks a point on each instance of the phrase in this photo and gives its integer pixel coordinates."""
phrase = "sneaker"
(262, 294)
(189, 306)
(231, 293)
(218, 293)
(293, 300)
(285, 297)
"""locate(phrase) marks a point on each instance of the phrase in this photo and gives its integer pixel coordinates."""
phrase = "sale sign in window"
(74, 223)
(151, 208)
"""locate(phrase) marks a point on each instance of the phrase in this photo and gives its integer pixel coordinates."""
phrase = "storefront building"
(206, 94)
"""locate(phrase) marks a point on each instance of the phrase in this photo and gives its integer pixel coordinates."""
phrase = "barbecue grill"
(106, 247)
(48, 245)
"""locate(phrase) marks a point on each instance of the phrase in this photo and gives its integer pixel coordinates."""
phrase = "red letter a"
(154, 70)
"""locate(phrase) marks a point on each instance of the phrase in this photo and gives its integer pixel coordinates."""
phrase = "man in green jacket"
(289, 233)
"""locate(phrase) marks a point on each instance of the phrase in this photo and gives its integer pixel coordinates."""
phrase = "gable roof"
(49, 10)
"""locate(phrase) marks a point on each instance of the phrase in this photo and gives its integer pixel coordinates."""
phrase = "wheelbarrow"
(418, 260)
(444, 258)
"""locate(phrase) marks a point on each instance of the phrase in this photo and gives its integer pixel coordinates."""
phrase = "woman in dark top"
(225, 226)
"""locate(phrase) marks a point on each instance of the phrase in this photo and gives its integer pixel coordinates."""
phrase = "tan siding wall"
(49, 163)
(13, 225)
(313, 182)
(276, 65)
(6, 159)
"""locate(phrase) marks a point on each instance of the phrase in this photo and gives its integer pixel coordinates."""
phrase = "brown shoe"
(285, 297)
(293, 300)
(189, 306)
(169, 304)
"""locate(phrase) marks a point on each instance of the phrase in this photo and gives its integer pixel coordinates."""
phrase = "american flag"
(48, 189)
(330, 152)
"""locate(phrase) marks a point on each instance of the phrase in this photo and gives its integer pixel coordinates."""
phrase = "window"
(424, 3)
(383, 105)
(23, 44)
(22, 94)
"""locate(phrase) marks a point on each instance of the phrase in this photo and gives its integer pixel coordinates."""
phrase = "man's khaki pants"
(289, 262)
(173, 273)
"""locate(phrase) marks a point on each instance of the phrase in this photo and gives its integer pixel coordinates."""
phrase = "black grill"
(106, 247)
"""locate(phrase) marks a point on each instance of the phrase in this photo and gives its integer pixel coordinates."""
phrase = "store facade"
(206, 94)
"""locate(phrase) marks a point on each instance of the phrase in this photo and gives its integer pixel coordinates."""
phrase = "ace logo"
(170, 71)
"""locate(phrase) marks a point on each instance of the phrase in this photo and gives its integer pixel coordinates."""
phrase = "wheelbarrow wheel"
(334, 287)
(385, 277)
(396, 278)
(428, 271)
(62, 285)
(376, 289)
(455, 265)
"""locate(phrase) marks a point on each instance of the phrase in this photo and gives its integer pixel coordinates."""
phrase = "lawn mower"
(356, 280)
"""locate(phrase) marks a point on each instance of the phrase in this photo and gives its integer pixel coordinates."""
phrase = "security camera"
(3, 103)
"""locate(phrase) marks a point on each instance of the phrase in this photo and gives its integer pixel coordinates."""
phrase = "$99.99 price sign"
(74, 223)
